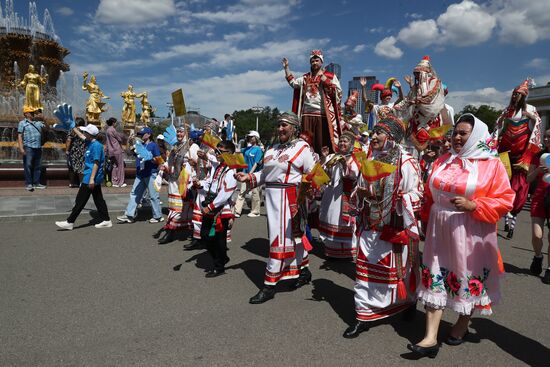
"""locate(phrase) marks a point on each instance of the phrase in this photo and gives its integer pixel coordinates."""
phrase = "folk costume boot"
(536, 265)
(169, 236)
(303, 279)
(264, 295)
(354, 330)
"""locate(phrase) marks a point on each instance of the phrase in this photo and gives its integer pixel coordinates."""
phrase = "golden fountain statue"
(32, 83)
(146, 109)
(94, 105)
(129, 108)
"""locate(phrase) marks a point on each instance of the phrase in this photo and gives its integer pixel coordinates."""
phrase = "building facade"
(372, 95)
(540, 98)
(336, 69)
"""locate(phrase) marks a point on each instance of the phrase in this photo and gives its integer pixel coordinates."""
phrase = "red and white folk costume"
(284, 165)
(520, 134)
(317, 103)
(218, 188)
(426, 100)
(388, 214)
(336, 221)
(179, 206)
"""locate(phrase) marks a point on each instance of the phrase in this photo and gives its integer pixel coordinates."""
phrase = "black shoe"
(409, 314)
(510, 234)
(536, 265)
(546, 277)
(193, 245)
(168, 237)
(506, 227)
(354, 330)
(303, 279)
(214, 273)
(158, 233)
(430, 352)
(451, 340)
(264, 295)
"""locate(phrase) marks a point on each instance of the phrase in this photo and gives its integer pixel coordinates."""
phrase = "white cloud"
(465, 24)
(386, 48)
(462, 24)
(420, 33)
(522, 21)
(487, 96)
(135, 12)
(64, 10)
(108, 67)
(359, 48)
(413, 15)
(269, 13)
(538, 63)
(239, 91)
(195, 49)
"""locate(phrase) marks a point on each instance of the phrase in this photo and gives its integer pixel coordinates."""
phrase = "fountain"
(25, 42)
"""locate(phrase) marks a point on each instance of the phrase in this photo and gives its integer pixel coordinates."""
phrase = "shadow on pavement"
(258, 246)
(338, 297)
(345, 267)
(509, 268)
(525, 349)
(253, 269)
(202, 261)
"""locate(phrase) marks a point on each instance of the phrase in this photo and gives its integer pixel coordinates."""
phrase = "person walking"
(91, 181)
(253, 158)
(115, 153)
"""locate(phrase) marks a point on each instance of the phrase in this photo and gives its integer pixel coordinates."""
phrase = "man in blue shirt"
(253, 158)
(94, 161)
(29, 141)
(146, 173)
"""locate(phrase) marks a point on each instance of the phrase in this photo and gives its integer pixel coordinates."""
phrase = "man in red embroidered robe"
(316, 101)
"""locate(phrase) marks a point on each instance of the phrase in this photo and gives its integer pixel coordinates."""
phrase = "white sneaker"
(125, 219)
(156, 220)
(253, 215)
(65, 225)
(124, 185)
(104, 224)
(115, 185)
(237, 215)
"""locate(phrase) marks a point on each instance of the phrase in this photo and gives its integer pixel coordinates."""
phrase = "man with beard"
(316, 101)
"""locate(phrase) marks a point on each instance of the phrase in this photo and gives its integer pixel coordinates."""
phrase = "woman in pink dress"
(468, 192)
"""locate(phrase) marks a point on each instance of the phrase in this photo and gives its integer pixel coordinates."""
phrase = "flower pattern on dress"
(448, 281)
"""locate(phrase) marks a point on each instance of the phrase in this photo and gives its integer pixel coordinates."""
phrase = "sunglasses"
(220, 152)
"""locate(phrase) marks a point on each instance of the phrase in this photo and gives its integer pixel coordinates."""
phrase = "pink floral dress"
(461, 263)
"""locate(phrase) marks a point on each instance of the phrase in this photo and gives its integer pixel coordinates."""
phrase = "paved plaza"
(113, 297)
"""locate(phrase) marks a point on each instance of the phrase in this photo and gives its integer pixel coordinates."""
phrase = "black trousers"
(82, 198)
(217, 245)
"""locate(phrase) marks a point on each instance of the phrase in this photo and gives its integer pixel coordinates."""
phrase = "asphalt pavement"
(113, 297)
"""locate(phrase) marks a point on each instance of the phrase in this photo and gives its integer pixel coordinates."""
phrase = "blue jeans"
(140, 184)
(32, 163)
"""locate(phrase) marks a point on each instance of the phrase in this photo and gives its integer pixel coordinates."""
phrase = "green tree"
(485, 113)
(245, 120)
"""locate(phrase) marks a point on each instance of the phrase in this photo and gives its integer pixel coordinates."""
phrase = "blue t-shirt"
(32, 133)
(94, 152)
(149, 167)
(252, 155)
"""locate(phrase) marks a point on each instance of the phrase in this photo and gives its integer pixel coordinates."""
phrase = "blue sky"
(226, 54)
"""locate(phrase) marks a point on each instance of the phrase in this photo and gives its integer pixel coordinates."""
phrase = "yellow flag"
(364, 128)
(210, 140)
(505, 158)
(317, 176)
(179, 103)
(439, 132)
(183, 180)
(235, 160)
(375, 170)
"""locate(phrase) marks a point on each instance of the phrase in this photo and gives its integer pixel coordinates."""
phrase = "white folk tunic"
(376, 264)
(336, 226)
(282, 174)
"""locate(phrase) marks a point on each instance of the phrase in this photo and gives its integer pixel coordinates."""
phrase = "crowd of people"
(373, 195)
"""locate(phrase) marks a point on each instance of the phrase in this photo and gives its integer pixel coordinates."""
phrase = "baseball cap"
(145, 130)
(90, 129)
(160, 137)
(254, 134)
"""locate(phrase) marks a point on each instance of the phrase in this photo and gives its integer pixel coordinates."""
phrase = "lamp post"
(257, 110)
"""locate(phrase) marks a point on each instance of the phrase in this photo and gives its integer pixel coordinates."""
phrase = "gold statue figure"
(94, 105)
(129, 108)
(146, 109)
(32, 83)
